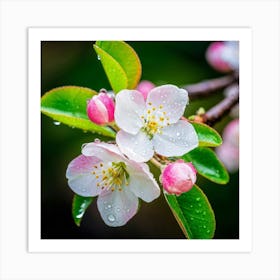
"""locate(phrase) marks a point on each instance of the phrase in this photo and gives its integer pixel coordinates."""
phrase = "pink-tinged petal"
(80, 177)
(81, 165)
(130, 106)
(136, 147)
(145, 87)
(118, 207)
(103, 151)
(109, 104)
(168, 100)
(142, 182)
(176, 139)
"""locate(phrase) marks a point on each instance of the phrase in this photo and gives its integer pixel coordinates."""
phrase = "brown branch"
(207, 87)
(221, 109)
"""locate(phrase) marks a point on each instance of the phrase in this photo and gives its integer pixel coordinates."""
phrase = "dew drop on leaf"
(56, 123)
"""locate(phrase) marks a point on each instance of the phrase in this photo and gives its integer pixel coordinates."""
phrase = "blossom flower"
(228, 152)
(178, 177)
(223, 56)
(154, 124)
(100, 109)
(103, 171)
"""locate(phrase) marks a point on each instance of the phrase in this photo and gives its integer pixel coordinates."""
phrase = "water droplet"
(192, 219)
(191, 206)
(199, 204)
(197, 211)
(98, 57)
(56, 123)
(208, 231)
(204, 213)
(127, 210)
(96, 140)
(83, 190)
(198, 198)
(178, 133)
(204, 226)
(118, 209)
(111, 218)
(109, 206)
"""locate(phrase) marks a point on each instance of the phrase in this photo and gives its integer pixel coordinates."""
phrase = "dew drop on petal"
(111, 218)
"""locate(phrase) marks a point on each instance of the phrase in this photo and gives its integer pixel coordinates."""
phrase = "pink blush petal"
(81, 165)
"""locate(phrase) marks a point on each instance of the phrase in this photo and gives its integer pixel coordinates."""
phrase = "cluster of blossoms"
(149, 121)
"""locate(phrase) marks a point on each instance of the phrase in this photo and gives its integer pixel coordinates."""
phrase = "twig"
(221, 109)
(207, 87)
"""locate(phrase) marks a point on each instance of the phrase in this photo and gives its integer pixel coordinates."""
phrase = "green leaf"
(121, 64)
(207, 136)
(207, 164)
(79, 207)
(67, 105)
(193, 213)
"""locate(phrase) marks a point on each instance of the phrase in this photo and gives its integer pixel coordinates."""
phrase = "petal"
(176, 139)
(80, 165)
(130, 106)
(136, 147)
(168, 99)
(80, 178)
(118, 207)
(103, 151)
(142, 182)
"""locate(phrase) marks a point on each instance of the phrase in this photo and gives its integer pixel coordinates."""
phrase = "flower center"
(155, 120)
(111, 177)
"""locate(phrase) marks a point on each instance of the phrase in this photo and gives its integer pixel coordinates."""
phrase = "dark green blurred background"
(75, 63)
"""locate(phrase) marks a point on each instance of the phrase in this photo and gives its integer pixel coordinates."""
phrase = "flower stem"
(207, 87)
(156, 163)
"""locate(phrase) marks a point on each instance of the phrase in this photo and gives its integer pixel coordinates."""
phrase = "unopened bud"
(178, 177)
(100, 109)
(223, 56)
(145, 87)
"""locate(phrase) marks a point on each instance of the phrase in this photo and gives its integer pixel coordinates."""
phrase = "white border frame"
(36, 35)
(262, 16)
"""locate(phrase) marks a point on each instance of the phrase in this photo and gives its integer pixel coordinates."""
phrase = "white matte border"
(243, 35)
(262, 16)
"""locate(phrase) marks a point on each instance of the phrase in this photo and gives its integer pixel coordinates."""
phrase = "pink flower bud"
(100, 109)
(145, 87)
(178, 177)
(223, 56)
